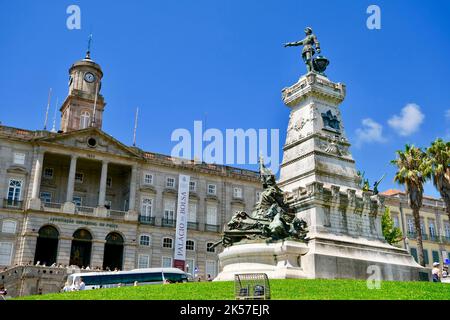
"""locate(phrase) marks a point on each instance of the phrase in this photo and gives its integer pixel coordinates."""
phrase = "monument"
(317, 221)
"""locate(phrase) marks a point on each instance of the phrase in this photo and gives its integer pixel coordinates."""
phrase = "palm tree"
(439, 160)
(411, 164)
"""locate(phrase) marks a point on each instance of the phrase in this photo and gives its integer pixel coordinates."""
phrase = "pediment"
(91, 139)
(17, 170)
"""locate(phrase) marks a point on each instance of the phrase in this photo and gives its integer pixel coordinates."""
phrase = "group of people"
(436, 272)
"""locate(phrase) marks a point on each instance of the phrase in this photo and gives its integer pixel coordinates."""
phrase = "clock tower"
(84, 104)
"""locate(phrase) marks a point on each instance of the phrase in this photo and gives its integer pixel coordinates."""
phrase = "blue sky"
(223, 61)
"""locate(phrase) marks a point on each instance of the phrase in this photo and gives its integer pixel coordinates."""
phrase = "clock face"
(89, 77)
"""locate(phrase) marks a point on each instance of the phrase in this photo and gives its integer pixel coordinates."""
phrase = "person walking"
(82, 285)
(435, 272)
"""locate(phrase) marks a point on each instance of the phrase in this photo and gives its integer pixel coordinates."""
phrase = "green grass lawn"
(280, 290)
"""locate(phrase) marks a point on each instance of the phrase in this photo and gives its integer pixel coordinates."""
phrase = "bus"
(111, 279)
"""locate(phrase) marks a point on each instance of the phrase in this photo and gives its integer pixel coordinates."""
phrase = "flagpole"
(48, 107)
(54, 116)
(135, 127)
(95, 105)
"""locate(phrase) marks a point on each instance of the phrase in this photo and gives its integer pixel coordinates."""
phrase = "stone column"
(97, 253)
(133, 182)
(104, 176)
(64, 250)
(69, 206)
(37, 175)
(71, 178)
(35, 202)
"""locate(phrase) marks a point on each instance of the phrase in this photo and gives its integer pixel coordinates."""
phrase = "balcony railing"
(83, 209)
(212, 228)
(168, 223)
(147, 220)
(12, 204)
(411, 235)
(52, 205)
(445, 239)
(116, 214)
(193, 225)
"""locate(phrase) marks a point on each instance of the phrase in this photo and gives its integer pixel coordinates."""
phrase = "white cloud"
(408, 121)
(371, 131)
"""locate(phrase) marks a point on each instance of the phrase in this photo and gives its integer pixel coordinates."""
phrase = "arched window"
(84, 119)
(167, 243)
(190, 245)
(144, 240)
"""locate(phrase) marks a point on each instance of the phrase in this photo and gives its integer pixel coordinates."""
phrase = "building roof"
(152, 157)
(396, 192)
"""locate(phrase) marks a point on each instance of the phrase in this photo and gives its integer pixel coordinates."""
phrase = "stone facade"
(82, 179)
(435, 226)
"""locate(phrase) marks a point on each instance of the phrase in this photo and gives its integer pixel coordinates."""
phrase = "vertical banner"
(179, 260)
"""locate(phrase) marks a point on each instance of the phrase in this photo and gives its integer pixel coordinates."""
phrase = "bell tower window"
(84, 119)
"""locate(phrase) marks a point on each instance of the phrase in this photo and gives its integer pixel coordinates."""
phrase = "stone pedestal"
(280, 260)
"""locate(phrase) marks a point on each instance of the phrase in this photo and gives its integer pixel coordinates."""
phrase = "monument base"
(279, 260)
(324, 257)
(345, 257)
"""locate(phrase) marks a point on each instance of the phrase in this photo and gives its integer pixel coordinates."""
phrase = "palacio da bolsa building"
(80, 197)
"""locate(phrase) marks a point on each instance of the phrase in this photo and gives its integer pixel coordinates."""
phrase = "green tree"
(391, 233)
(439, 169)
(412, 172)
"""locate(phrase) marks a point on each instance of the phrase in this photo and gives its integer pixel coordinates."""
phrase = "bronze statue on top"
(271, 218)
(311, 45)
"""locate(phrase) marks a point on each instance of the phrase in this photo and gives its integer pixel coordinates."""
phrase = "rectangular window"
(170, 182)
(143, 261)
(432, 227)
(212, 189)
(46, 197)
(396, 221)
(19, 158)
(435, 255)
(166, 262)
(447, 230)
(209, 247)
(192, 186)
(6, 249)
(411, 228)
(148, 178)
(190, 245)
(79, 177)
(109, 182)
(211, 215)
(422, 227)
(169, 210)
(14, 190)
(48, 173)
(414, 254)
(78, 201)
(147, 207)
(211, 268)
(425, 256)
(9, 226)
(237, 192)
(192, 217)
(167, 243)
